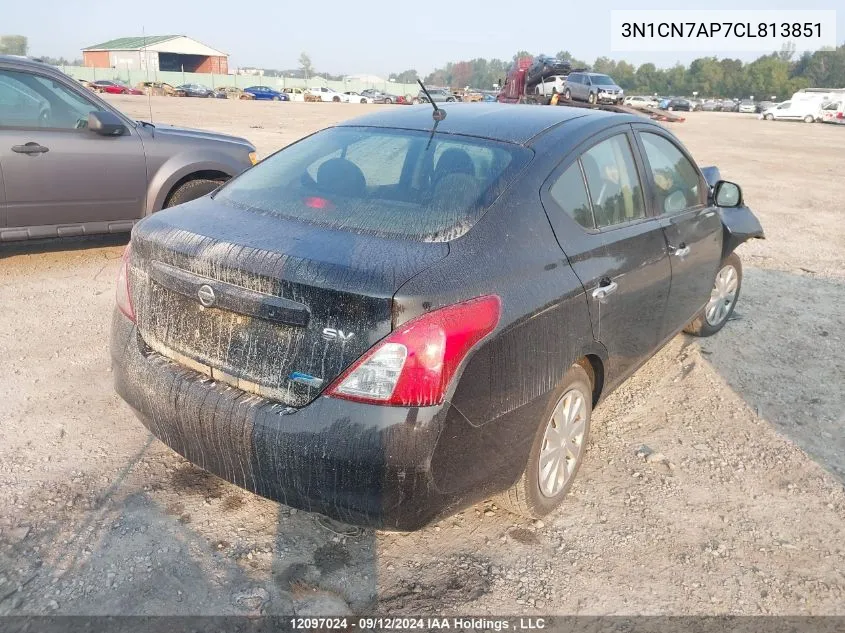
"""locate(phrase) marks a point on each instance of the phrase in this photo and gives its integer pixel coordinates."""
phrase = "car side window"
(677, 182)
(20, 106)
(570, 194)
(613, 182)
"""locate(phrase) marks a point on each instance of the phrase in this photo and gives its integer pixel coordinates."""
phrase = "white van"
(803, 109)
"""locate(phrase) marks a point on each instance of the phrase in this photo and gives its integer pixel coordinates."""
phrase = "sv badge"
(331, 334)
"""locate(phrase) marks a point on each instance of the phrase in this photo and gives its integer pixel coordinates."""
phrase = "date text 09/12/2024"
(423, 624)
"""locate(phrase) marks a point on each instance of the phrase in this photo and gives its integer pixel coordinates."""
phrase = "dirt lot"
(745, 515)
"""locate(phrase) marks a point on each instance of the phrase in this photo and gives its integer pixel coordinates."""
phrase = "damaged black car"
(397, 317)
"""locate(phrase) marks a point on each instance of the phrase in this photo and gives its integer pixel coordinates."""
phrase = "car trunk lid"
(274, 306)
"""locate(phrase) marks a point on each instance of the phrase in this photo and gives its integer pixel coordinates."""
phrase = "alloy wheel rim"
(563, 443)
(723, 295)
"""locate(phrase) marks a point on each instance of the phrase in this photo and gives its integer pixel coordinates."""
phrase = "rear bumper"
(357, 463)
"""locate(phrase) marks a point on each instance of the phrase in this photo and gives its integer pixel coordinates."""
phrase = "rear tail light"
(415, 364)
(123, 297)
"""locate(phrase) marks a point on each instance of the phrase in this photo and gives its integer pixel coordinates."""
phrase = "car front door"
(597, 208)
(680, 198)
(57, 174)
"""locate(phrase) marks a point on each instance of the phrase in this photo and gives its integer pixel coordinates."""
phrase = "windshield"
(602, 80)
(386, 182)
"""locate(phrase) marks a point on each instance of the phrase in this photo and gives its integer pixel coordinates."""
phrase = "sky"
(362, 36)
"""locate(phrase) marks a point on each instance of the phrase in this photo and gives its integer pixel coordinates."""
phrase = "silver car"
(592, 88)
(71, 164)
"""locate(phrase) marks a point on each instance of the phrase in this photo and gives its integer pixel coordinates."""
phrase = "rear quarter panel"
(544, 325)
(500, 394)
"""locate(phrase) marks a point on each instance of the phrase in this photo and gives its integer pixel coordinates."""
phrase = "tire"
(707, 323)
(363, 101)
(527, 497)
(336, 99)
(567, 95)
(591, 99)
(769, 117)
(388, 101)
(670, 108)
(450, 100)
(277, 98)
(191, 190)
(809, 119)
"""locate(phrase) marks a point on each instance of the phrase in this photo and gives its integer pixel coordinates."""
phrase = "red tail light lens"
(415, 364)
(123, 298)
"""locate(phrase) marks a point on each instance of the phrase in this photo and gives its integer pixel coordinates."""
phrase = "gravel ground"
(713, 482)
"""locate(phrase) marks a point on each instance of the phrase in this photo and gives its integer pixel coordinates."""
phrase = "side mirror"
(105, 123)
(727, 194)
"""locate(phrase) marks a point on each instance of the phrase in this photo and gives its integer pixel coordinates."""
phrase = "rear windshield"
(388, 182)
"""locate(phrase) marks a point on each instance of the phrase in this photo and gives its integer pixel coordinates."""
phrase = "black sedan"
(679, 104)
(193, 90)
(397, 317)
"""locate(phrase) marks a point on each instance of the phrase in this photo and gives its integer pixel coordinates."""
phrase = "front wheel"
(277, 98)
(388, 101)
(567, 95)
(336, 99)
(723, 298)
(809, 119)
(591, 99)
(557, 451)
(769, 117)
(363, 101)
(191, 190)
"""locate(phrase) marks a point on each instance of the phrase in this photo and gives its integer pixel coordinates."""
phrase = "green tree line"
(778, 74)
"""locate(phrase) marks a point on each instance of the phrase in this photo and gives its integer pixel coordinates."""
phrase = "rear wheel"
(191, 190)
(557, 451)
(809, 119)
(723, 298)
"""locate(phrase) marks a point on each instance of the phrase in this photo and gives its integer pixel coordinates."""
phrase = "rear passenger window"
(677, 183)
(613, 182)
(570, 194)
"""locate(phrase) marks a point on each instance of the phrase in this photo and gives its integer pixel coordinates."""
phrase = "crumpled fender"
(739, 223)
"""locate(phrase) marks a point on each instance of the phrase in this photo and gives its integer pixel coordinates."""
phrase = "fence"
(134, 77)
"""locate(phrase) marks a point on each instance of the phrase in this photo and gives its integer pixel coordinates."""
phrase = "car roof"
(511, 123)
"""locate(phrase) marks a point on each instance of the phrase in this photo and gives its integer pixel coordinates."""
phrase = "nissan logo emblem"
(206, 295)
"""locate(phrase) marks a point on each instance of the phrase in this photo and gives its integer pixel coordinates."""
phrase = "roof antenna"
(438, 115)
(147, 68)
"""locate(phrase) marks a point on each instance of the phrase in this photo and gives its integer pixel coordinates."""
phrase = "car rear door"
(596, 205)
(63, 176)
(679, 197)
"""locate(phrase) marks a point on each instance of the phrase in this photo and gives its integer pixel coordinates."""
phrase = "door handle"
(601, 293)
(30, 148)
(681, 251)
